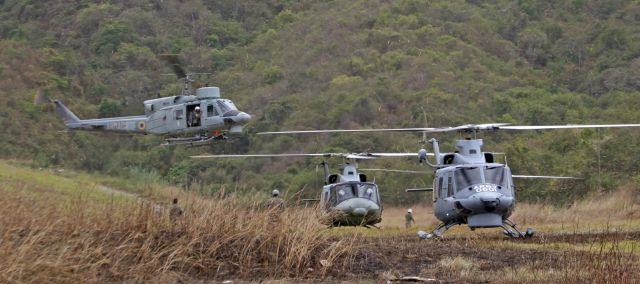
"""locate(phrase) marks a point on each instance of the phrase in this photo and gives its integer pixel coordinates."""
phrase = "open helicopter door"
(194, 115)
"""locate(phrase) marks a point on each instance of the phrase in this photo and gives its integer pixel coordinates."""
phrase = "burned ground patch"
(484, 259)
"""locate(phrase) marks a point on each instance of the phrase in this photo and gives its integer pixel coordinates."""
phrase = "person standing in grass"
(409, 218)
(276, 203)
(275, 207)
(176, 211)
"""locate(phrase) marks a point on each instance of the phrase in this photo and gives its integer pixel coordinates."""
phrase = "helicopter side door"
(444, 203)
(437, 186)
(177, 119)
(170, 120)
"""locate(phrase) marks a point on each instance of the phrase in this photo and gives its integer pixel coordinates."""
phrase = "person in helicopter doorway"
(194, 118)
(409, 218)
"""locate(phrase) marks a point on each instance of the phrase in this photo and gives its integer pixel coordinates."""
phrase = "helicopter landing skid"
(438, 231)
(195, 141)
(509, 227)
(511, 230)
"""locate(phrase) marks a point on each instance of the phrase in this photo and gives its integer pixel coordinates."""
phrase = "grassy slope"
(64, 229)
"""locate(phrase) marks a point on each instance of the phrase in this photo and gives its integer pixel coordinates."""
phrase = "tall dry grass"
(599, 209)
(48, 238)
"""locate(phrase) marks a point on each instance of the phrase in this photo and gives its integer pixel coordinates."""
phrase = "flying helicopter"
(470, 187)
(191, 118)
(347, 198)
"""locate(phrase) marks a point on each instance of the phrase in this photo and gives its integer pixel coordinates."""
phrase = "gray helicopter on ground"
(469, 186)
(348, 198)
(191, 118)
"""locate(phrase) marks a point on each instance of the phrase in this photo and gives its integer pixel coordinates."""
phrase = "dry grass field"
(62, 227)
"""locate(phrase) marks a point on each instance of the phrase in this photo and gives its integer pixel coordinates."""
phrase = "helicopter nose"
(360, 211)
(242, 118)
(490, 205)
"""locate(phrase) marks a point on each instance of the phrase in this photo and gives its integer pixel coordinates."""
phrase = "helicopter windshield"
(344, 192)
(362, 190)
(226, 106)
(368, 191)
(466, 177)
(494, 175)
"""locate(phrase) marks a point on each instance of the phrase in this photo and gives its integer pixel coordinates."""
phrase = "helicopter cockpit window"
(368, 191)
(223, 107)
(211, 111)
(226, 106)
(466, 177)
(494, 175)
(344, 192)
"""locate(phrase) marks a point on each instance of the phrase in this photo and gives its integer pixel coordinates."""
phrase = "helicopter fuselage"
(175, 115)
(351, 204)
(480, 195)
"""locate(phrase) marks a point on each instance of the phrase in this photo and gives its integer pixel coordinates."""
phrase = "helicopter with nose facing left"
(347, 198)
(191, 118)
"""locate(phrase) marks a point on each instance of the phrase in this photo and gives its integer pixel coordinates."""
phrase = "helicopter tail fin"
(66, 115)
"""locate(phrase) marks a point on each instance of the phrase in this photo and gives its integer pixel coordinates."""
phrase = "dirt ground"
(491, 258)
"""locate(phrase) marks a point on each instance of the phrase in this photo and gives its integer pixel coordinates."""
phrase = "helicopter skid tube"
(438, 231)
(193, 141)
(511, 230)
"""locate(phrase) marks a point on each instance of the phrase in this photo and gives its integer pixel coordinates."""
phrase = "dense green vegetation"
(330, 64)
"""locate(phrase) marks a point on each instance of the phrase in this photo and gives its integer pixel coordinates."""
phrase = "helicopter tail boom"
(67, 116)
(128, 124)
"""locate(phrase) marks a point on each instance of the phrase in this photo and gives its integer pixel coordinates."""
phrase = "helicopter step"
(195, 141)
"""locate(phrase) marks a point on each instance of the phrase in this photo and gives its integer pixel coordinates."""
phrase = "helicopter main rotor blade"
(419, 189)
(174, 61)
(261, 155)
(395, 171)
(361, 156)
(344, 130)
(466, 127)
(568, 126)
(543, 177)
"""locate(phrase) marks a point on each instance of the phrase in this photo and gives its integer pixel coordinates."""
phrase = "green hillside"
(330, 64)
